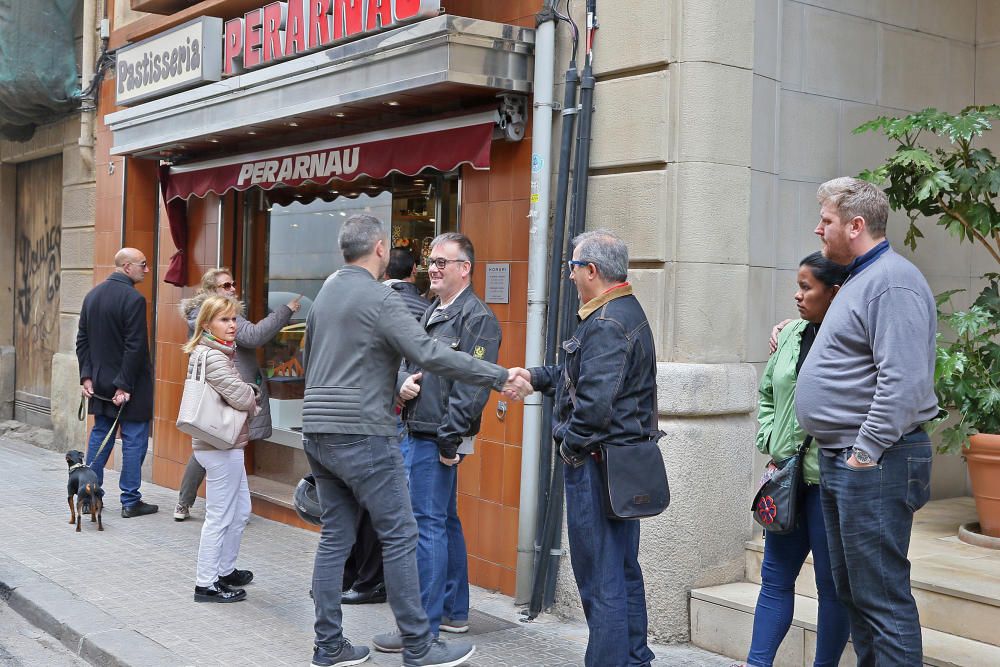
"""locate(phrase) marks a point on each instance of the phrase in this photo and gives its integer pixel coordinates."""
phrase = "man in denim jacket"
(605, 392)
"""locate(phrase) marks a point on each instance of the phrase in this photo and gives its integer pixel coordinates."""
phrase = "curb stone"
(80, 626)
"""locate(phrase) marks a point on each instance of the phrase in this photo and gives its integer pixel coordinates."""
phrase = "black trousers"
(363, 569)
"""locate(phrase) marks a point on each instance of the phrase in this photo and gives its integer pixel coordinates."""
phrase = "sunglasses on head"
(226, 285)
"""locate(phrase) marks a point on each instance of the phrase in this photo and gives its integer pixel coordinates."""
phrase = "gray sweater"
(869, 378)
(357, 332)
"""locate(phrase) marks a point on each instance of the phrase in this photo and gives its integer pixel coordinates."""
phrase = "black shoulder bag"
(776, 505)
(635, 479)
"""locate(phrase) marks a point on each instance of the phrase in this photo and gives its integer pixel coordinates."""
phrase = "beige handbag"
(204, 414)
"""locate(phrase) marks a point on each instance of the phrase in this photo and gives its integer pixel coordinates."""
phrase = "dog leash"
(81, 414)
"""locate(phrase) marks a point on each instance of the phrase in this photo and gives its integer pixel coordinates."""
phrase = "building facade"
(715, 120)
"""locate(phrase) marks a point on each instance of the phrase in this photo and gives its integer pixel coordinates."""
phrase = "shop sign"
(287, 29)
(497, 283)
(184, 57)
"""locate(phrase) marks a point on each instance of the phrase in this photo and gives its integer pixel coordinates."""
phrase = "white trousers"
(227, 508)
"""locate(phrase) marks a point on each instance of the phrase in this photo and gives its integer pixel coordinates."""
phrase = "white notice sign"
(498, 283)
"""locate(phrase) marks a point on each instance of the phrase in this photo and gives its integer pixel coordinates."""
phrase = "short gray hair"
(359, 235)
(855, 198)
(461, 240)
(606, 251)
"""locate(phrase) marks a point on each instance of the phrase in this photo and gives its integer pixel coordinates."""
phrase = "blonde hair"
(208, 280)
(211, 308)
(854, 198)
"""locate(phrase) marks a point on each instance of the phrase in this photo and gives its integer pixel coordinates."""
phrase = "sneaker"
(344, 656)
(181, 512)
(388, 642)
(237, 578)
(139, 509)
(440, 654)
(454, 625)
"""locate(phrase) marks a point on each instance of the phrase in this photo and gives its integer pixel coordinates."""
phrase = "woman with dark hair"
(779, 437)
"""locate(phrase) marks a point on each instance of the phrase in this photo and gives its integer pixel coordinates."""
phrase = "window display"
(302, 251)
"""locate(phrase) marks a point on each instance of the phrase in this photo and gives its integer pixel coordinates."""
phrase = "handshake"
(518, 385)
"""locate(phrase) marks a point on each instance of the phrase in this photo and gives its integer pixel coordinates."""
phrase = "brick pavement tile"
(141, 572)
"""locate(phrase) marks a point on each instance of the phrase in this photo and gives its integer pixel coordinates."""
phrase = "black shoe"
(344, 656)
(218, 592)
(237, 578)
(374, 596)
(139, 509)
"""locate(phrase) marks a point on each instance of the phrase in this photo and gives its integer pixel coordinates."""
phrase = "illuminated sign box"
(181, 58)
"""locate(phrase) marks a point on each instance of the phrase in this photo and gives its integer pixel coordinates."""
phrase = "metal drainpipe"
(538, 257)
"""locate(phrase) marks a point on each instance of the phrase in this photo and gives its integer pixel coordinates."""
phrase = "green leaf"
(916, 157)
(989, 181)
(945, 297)
(931, 185)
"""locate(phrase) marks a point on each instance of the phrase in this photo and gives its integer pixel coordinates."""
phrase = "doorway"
(37, 278)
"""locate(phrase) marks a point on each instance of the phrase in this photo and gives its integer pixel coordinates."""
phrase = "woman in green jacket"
(779, 437)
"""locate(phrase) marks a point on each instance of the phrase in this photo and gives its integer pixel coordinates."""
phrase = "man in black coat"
(112, 347)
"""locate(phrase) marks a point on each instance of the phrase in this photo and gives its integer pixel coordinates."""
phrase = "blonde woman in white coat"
(227, 495)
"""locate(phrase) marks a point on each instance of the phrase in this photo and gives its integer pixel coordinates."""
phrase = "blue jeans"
(135, 442)
(869, 514)
(355, 471)
(441, 555)
(605, 558)
(783, 558)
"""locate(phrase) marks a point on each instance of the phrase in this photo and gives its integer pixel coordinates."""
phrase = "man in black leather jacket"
(605, 391)
(442, 417)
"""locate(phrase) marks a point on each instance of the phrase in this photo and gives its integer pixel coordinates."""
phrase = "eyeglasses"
(143, 263)
(226, 286)
(575, 262)
(441, 262)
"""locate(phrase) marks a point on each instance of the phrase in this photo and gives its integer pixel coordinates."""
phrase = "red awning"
(344, 159)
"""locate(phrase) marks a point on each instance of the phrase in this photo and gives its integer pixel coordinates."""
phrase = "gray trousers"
(193, 475)
(353, 472)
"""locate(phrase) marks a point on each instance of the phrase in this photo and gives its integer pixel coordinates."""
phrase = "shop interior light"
(294, 224)
(392, 103)
(251, 132)
(293, 124)
(339, 114)
(213, 140)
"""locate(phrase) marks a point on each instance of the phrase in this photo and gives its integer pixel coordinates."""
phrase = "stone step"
(722, 622)
(958, 595)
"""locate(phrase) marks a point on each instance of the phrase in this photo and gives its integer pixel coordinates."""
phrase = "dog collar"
(76, 466)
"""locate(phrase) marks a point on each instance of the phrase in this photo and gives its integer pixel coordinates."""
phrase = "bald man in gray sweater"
(864, 393)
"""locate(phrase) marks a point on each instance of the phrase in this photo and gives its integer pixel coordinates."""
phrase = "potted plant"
(956, 182)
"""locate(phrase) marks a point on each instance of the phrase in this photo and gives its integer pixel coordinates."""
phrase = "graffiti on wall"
(38, 280)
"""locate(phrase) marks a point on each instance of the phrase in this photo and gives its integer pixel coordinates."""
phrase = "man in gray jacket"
(863, 393)
(358, 331)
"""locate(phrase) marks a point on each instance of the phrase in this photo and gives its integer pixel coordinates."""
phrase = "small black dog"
(84, 485)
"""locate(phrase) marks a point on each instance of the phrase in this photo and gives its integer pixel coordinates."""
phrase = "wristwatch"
(861, 456)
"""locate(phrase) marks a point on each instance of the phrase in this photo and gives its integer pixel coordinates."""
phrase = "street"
(24, 645)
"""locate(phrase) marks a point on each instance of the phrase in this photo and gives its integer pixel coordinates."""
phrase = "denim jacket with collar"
(605, 385)
(446, 410)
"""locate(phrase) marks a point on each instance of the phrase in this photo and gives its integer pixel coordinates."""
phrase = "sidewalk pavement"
(124, 596)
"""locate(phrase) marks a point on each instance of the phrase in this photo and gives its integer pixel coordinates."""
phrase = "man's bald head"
(126, 255)
(132, 263)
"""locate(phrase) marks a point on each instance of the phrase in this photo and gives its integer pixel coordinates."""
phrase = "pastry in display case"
(285, 376)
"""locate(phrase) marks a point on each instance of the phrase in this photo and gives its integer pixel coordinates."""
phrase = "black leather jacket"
(446, 410)
(605, 387)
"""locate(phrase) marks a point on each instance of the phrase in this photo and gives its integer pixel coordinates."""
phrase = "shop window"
(302, 251)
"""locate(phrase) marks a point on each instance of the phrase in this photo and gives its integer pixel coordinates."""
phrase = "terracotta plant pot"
(983, 457)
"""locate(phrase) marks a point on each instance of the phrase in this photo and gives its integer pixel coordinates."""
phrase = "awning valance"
(375, 155)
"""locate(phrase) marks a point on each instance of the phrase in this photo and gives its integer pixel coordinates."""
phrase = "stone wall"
(77, 257)
(821, 68)
(670, 172)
